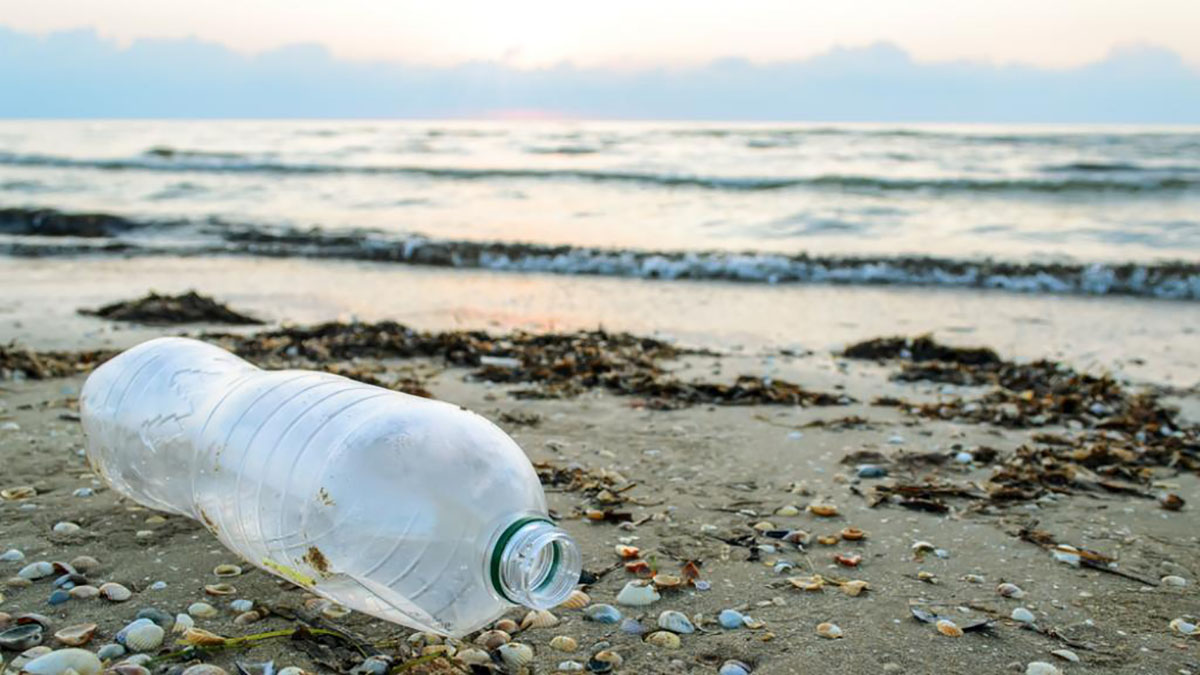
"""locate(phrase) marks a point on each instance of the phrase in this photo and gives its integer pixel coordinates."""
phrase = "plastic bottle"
(415, 511)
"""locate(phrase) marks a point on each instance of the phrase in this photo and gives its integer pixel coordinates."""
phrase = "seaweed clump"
(155, 309)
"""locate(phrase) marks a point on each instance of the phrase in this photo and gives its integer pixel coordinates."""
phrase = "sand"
(702, 474)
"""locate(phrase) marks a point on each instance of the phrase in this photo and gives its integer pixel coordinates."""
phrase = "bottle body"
(387, 503)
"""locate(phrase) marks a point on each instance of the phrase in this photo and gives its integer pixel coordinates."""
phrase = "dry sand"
(702, 473)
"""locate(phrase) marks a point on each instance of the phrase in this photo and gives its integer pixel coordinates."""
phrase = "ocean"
(546, 212)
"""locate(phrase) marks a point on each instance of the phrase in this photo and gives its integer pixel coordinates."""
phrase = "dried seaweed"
(19, 362)
(155, 309)
(919, 349)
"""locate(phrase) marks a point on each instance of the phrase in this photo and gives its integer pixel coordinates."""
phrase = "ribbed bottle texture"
(390, 504)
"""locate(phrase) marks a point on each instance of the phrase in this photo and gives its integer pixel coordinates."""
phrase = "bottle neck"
(534, 563)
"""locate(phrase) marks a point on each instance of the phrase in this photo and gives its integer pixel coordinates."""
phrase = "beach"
(701, 481)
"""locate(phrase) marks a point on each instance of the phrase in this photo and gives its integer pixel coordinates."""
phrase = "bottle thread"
(534, 563)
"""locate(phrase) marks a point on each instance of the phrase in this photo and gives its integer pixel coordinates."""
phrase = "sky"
(916, 60)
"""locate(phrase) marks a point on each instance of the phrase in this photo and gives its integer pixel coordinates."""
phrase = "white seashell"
(507, 625)
(637, 594)
(182, 623)
(144, 637)
(204, 669)
(539, 618)
(58, 662)
(227, 570)
(202, 610)
(247, 618)
(471, 656)
(12, 555)
(829, 630)
(1184, 627)
(115, 592)
(1010, 591)
(922, 547)
(569, 667)
(36, 570)
(76, 636)
(576, 600)
(676, 622)
(491, 639)
(1172, 580)
(787, 510)
(241, 605)
(515, 655)
(1066, 655)
(84, 564)
(66, 527)
(1023, 615)
(296, 670)
(663, 638)
(1041, 668)
(564, 643)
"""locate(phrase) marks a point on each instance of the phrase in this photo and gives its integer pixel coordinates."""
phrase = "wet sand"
(704, 475)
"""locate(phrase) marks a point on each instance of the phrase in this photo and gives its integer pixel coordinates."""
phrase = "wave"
(1170, 280)
(188, 161)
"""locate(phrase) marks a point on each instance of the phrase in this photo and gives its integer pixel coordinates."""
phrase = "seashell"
(227, 570)
(763, 526)
(787, 510)
(506, 625)
(783, 566)
(241, 605)
(143, 637)
(137, 660)
(637, 594)
(827, 540)
(66, 527)
(927, 577)
(1184, 627)
(514, 655)
(1066, 655)
(491, 639)
(420, 640)
(633, 627)
(85, 563)
(335, 611)
(855, 587)
(247, 618)
(127, 669)
(110, 651)
(446, 649)
(602, 613)
(813, 583)
(1010, 591)
(666, 581)
(160, 618)
(576, 600)
(569, 667)
(202, 610)
(1172, 580)
(797, 537)
(182, 623)
(848, 560)
(1022, 615)
(640, 568)
(35, 618)
(829, 630)
(27, 656)
(76, 636)
(60, 661)
(1041, 668)
(21, 637)
(973, 578)
(19, 492)
(610, 657)
(12, 555)
(1067, 555)
(676, 622)
(115, 592)
(201, 637)
(17, 582)
(663, 638)
(733, 667)
(315, 604)
(539, 618)
(220, 589)
(204, 669)
(852, 534)
(730, 618)
(564, 643)
(870, 471)
(752, 623)
(1171, 501)
(948, 628)
(627, 551)
(823, 510)
(471, 656)
(36, 570)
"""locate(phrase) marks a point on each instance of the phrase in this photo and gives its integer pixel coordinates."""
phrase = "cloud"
(79, 74)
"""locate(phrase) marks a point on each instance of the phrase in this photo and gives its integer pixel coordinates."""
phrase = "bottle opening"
(536, 564)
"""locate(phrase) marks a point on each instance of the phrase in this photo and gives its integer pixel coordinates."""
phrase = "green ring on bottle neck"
(498, 555)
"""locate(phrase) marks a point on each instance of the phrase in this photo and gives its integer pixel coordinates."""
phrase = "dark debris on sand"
(18, 362)
(554, 365)
(1117, 440)
(155, 309)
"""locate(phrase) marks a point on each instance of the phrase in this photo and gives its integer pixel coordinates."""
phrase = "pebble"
(964, 457)
(1010, 591)
(1041, 668)
(84, 564)
(730, 618)
(66, 527)
(58, 597)
(112, 651)
(871, 471)
(83, 492)
(12, 555)
(637, 594)
(1022, 615)
(158, 586)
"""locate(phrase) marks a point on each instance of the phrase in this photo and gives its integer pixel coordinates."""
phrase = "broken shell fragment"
(851, 560)
(627, 551)
(220, 589)
(227, 570)
(201, 638)
(855, 587)
(666, 581)
(823, 510)
(76, 636)
(182, 623)
(827, 540)
(491, 639)
(927, 577)
(1184, 627)
(813, 583)
(853, 534)
(637, 594)
(829, 630)
(948, 628)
